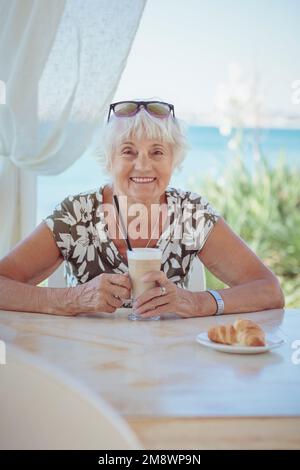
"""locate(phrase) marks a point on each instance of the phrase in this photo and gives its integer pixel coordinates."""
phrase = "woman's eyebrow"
(158, 145)
(127, 143)
(153, 145)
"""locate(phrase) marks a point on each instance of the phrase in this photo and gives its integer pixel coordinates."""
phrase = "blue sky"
(183, 48)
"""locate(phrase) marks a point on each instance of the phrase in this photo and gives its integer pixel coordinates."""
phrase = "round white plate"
(272, 342)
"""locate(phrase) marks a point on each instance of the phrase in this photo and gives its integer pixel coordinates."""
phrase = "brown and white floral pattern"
(80, 231)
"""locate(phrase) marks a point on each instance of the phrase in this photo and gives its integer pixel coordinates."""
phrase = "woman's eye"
(158, 153)
(127, 152)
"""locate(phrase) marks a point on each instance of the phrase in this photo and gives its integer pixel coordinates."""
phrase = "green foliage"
(263, 207)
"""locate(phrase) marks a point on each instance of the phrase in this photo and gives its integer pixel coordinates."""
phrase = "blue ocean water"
(208, 155)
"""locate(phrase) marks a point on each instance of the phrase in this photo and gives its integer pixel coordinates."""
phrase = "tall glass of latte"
(140, 262)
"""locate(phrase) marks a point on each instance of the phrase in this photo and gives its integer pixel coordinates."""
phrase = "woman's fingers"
(117, 288)
(154, 298)
(155, 276)
(148, 295)
(154, 303)
(119, 291)
(109, 308)
(115, 301)
(117, 284)
(157, 311)
(120, 280)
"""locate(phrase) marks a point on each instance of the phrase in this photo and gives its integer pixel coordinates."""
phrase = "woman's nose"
(142, 162)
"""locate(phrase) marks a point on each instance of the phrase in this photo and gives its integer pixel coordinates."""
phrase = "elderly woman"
(144, 143)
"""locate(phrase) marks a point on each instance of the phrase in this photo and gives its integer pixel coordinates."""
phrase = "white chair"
(197, 281)
(41, 408)
(57, 278)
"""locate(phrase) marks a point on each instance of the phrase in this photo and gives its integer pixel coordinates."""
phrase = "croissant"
(243, 332)
(224, 334)
(249, 333)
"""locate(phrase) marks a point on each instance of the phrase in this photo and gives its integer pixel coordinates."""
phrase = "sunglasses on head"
(157, 109)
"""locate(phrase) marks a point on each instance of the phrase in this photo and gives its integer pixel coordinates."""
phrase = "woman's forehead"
(143, 141)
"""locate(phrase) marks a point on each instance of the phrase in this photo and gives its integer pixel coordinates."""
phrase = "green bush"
(263, 207)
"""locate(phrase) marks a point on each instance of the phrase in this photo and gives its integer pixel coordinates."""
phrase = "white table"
(172, 391)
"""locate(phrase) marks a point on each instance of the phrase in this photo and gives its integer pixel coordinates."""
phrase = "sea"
(209, 154)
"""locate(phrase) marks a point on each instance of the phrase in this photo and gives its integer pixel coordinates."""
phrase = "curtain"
(60, 61)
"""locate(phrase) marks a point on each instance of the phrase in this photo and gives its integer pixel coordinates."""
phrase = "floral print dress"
(81, 234)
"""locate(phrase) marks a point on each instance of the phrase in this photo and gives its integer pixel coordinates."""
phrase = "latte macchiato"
(140, 262)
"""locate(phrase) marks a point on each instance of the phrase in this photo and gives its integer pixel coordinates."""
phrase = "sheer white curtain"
(61, 61)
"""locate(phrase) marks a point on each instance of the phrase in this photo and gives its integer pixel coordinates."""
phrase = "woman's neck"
(127, 204)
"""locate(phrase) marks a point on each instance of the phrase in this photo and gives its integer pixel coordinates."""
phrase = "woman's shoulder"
(193, 203)
(78, 208)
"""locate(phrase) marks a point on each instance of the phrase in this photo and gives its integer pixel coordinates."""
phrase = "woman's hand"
(104, 293)
(166, 297)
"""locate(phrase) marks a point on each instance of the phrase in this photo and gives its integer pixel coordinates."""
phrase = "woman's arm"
(252, 286)
(29, 263)
(32, 261)
(21, 297)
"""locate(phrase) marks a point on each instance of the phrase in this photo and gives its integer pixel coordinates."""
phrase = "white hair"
(142, 125)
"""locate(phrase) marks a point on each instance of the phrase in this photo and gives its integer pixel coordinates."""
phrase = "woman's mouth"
(142, 180)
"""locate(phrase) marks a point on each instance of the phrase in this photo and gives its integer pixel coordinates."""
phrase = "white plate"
(272, 342)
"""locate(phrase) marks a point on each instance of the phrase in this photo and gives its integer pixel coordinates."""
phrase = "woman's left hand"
(165, 298)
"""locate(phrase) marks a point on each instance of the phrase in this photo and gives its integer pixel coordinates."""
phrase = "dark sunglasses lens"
(125, 109)
(158, 109)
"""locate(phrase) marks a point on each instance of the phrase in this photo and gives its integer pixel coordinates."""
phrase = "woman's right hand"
(104, 293)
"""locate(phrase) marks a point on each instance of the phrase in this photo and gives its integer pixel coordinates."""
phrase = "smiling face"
(141, 169)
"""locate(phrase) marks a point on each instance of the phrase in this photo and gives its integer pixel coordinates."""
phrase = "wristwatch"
(219, 301)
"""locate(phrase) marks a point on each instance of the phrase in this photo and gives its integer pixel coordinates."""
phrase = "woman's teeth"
(143, 180)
